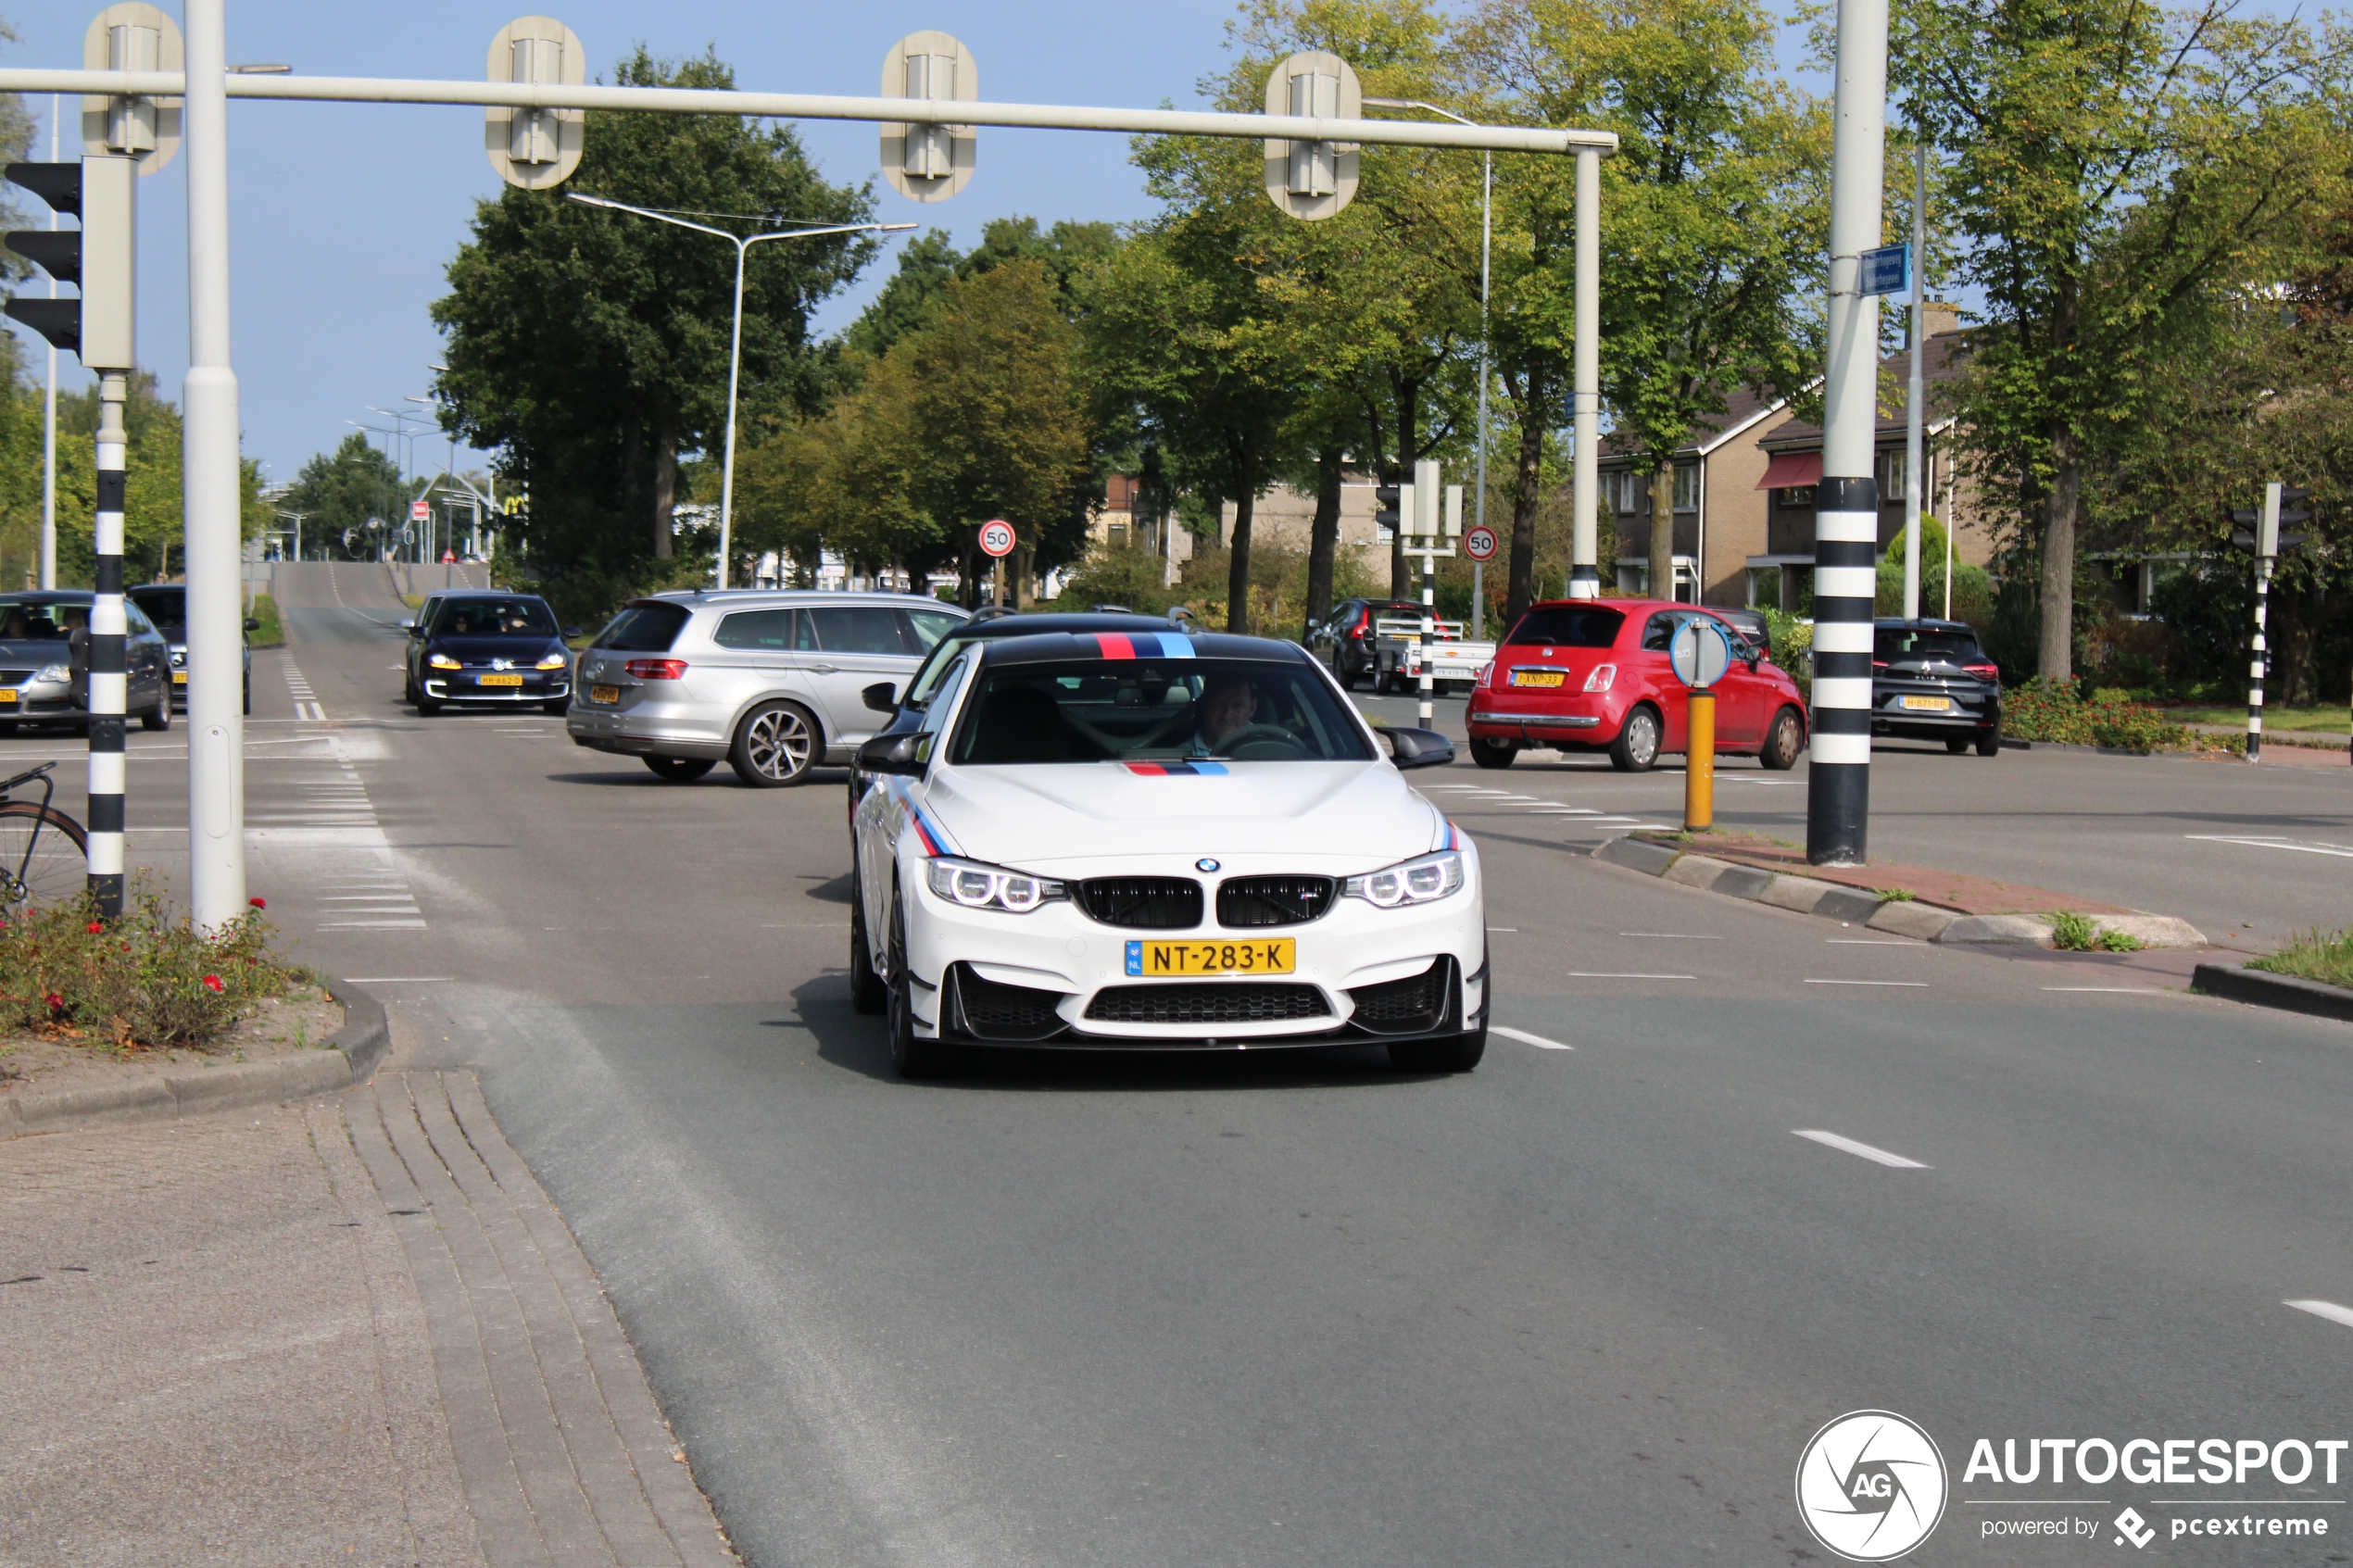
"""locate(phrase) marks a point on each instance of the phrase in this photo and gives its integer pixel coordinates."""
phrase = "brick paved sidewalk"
(347, 1331)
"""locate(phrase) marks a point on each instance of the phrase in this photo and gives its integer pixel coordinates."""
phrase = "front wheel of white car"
(1459, 1054)
(909, 1057)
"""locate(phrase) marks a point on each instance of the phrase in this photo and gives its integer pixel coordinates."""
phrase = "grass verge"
(2314, 954)
(272, 628)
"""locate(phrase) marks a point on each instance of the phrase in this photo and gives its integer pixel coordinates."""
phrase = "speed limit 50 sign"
(997, 537)
(1479, 543)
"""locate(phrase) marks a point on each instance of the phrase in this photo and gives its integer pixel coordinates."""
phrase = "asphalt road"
(1584, 1305)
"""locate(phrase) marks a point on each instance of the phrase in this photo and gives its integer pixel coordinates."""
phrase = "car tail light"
(1602, 678)
(1983, 671)
(1879, 664)
(1486, 674)
(657, 669)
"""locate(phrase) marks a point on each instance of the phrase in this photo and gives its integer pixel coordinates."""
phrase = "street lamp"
(1486, 250)
(295, 517)
(743, 243)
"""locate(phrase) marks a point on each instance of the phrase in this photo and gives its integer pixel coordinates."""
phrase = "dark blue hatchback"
(495, 648)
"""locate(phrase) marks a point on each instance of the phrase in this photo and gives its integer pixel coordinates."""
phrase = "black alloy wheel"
(909, 1057)
(1459, 1054)
(869, 992)
(1784, 738)
(680, 770)
(1636, 748)
(1492, 753)
(775, 746)
(158, 717)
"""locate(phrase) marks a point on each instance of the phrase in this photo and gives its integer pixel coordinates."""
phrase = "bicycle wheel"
(44, 855)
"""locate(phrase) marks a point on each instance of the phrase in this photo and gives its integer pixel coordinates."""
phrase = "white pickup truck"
(1402, 653)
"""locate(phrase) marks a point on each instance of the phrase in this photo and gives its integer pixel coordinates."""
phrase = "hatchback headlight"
(552, 661)
(54, 672)
(978, 886)
(443, 661)
(1420, 881)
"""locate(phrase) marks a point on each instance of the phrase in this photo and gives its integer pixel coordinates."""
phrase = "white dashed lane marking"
(1862, 1150)
(1910, 985)
(1524, 1037)
(2328, 1309)
(2273, 841)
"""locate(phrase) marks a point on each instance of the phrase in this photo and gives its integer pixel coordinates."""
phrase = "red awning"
(1789, 468)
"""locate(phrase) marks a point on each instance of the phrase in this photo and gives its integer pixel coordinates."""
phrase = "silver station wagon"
(769, 682)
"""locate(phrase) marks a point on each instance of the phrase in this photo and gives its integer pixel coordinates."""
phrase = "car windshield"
(165, 607)
(41, 619)
(494, 618)
(649, 628)
(1930, 647)
(1151, 712)
(1568, 627)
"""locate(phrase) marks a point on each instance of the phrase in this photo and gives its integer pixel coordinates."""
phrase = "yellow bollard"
(1699, 764)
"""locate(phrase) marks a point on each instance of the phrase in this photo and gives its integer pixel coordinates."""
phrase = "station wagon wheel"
(1636, 748)
(774, 745)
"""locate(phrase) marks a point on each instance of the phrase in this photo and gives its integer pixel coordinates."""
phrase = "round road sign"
(1699, 652)
(1479, 543)
(997, 537)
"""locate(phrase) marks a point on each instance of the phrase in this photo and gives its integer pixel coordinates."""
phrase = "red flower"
(212, 983)
(97, 927)
(57, 1003)
(259, 903)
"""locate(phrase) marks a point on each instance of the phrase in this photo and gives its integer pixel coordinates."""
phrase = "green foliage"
(2313, 955)
(2054, 710)
(144, 979)
(272, 628)
(2072, 933)
(337, 492)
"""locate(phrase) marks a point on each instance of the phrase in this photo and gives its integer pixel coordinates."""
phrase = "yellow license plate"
(7, 694)
(499, 680)
(1928, 704)
(179, 677)
(1538, 678)
(1262, 956)
(604, 694)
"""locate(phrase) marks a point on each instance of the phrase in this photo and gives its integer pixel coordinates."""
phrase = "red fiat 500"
(1592, 675)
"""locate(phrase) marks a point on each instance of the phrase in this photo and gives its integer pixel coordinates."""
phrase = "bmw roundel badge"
(1204, 864)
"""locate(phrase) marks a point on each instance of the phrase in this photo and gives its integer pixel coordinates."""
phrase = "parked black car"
(906, 708)
(1930, 680)
(488, 646)
(1345, 639)
(165, 604)
(44, 661)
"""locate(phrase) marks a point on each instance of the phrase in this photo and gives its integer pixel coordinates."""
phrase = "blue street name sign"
(1885, 270)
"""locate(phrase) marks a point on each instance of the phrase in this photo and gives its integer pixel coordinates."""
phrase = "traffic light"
(100, 259)
(1386, 499)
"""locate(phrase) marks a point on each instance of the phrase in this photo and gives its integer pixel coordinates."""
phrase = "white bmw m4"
(1159, 841)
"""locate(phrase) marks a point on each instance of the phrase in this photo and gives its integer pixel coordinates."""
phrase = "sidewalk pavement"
(349, 1330)
(1950, 890)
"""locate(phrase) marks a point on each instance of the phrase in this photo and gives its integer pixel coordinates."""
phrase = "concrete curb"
(2284, 991)
(1853, 906)
(345, 1059)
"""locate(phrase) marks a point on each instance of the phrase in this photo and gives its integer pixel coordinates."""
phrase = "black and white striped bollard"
(107, 683)
(2255, 660)
(1838, 783)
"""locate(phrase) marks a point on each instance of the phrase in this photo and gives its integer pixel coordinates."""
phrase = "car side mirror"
(570, 631)
(882, 696)
(412, 628)
(251, 625)
(895, 754)
(1417, 748)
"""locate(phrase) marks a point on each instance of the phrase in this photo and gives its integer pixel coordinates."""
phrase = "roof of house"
(1943, 363)
(1741, 410)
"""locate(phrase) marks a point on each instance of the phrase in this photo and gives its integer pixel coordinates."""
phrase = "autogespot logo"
(1871, 1485)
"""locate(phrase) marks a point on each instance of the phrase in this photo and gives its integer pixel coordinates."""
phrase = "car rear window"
(643, 629)
(929, 626)
(770, 629)
(1913, 642)
(1156, 712)
(1569, 627)
(165, 607)
(859, 628)
(494, 618)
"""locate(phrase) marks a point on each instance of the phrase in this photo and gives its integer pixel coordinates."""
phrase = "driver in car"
(1225, 710)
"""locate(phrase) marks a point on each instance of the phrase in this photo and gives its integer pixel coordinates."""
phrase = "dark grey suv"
(1930, 680)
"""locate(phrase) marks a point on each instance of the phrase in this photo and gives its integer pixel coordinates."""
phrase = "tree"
(592, 347)
(2111, 171)
(338, 493)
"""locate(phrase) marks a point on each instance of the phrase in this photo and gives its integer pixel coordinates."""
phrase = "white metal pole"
(1584, 573)
(734, 368)
(49, 403)
(1486, 253)
(1838, 782)
(211, 480)
(1913, 442)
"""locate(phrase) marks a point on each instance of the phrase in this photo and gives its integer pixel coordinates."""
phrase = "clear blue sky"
(345, 215)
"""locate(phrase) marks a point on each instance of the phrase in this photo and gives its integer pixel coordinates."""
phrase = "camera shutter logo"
(1871, 1485)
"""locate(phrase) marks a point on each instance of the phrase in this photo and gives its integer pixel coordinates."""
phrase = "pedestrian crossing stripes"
(323, 834)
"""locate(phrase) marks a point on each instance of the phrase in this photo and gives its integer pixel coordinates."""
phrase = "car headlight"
(978, 886)
(552, 661)
(443, 661)
(1419, 881)
(54, 672)
(178, 658)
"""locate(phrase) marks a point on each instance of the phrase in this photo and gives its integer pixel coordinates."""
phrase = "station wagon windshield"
(1131, 711)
